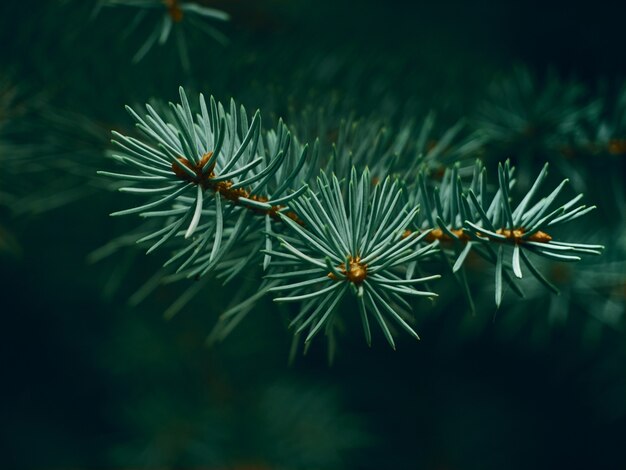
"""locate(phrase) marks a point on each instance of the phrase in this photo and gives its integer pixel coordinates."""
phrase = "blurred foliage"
(91, 381)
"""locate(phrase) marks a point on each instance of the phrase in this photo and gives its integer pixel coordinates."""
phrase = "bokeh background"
(93, 376)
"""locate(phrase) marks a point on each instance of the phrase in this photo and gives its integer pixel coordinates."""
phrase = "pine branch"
(228, 197)
(464, 219)
(356, 245)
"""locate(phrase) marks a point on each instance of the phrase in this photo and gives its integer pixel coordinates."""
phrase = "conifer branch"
(230, 196)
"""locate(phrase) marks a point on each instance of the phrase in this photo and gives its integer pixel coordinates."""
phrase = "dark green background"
(90, 382)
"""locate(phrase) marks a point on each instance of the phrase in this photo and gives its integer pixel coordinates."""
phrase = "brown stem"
(357, 270)
(174, 10)
(514, 235)
(225, 188)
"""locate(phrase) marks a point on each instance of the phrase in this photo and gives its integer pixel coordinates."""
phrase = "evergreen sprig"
(356, 243)
(467, 219)
(206, 175)
(226, 195)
